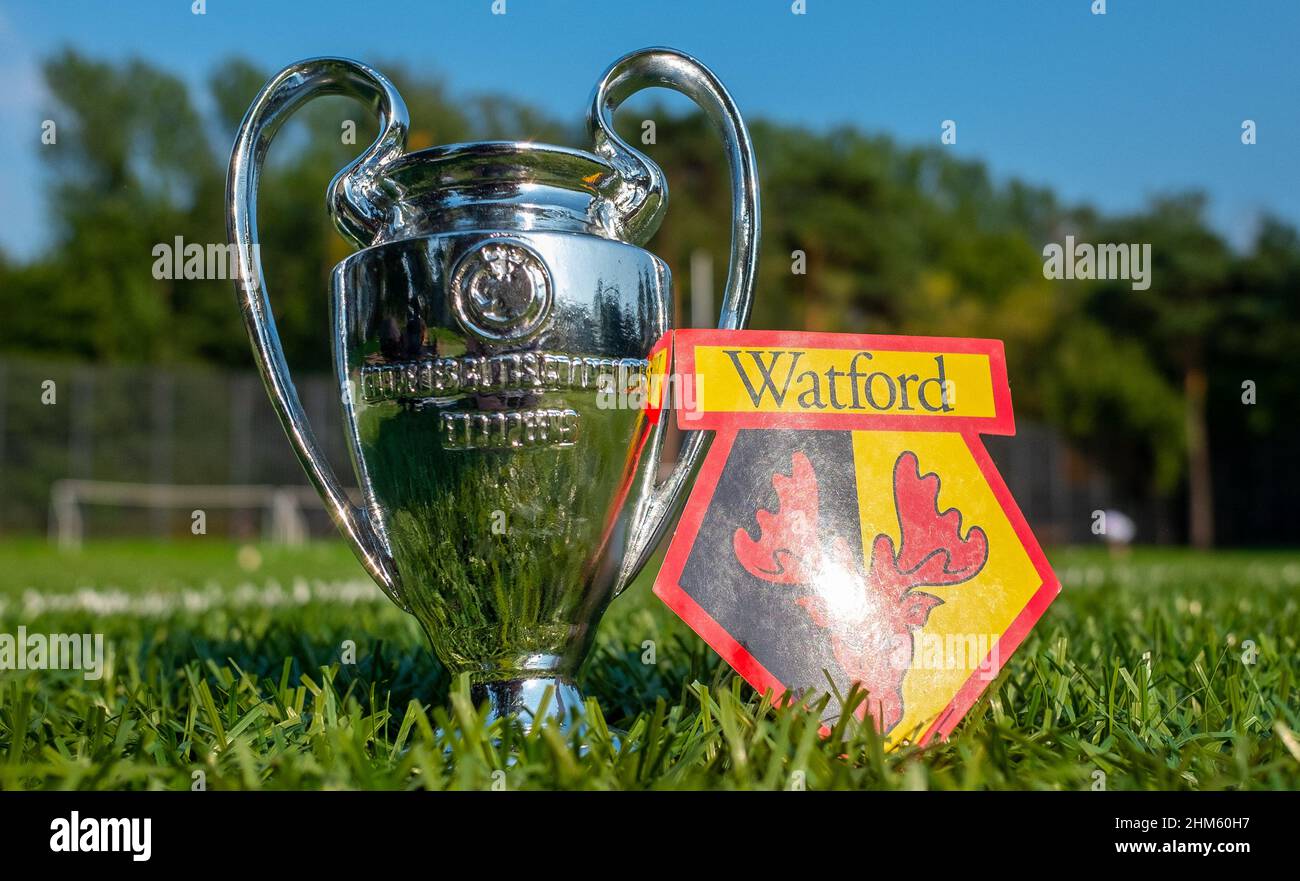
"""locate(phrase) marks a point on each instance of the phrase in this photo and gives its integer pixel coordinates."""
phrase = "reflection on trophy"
(498, 288)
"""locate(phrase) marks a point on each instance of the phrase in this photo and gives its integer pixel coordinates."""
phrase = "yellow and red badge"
(848, 521)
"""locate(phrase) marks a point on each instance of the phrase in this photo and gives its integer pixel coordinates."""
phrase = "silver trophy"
(500, 288)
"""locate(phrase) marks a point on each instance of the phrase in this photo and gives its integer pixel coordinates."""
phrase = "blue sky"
(1109, 109)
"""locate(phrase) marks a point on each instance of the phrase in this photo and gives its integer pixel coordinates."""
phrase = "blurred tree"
(860, 235)
(1254, 392)
(131, 166)
(1173, 319)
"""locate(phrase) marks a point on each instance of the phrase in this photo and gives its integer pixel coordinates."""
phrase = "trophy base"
(523, 699)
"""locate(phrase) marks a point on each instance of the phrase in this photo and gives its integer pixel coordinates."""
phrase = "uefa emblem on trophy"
(497, 288)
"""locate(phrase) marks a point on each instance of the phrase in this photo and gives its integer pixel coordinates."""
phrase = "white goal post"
(284, 521)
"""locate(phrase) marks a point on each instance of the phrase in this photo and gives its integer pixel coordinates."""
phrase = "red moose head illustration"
(871, 615)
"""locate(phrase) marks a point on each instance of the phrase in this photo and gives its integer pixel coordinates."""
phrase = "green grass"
(1138, 671)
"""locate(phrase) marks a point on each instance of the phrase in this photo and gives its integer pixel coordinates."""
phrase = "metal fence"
(202, 427)
(145, 425)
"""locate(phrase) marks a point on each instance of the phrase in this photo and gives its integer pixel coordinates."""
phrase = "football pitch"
(231, 666)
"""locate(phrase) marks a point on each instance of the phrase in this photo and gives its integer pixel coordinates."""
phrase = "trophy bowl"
(486, 335)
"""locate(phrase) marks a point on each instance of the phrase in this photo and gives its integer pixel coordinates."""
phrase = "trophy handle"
(359, 212)
(680, 72)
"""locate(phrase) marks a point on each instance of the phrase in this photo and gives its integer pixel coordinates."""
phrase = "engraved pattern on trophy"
(501, 291)
(500, 287)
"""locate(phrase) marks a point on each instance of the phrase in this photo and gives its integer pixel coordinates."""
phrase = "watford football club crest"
(847, 521)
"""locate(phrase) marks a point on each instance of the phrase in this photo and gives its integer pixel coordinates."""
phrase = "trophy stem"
(523, 698)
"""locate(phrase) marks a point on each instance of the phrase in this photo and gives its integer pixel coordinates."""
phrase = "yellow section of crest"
(658, 373)
(960, 634)
(751, 379)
